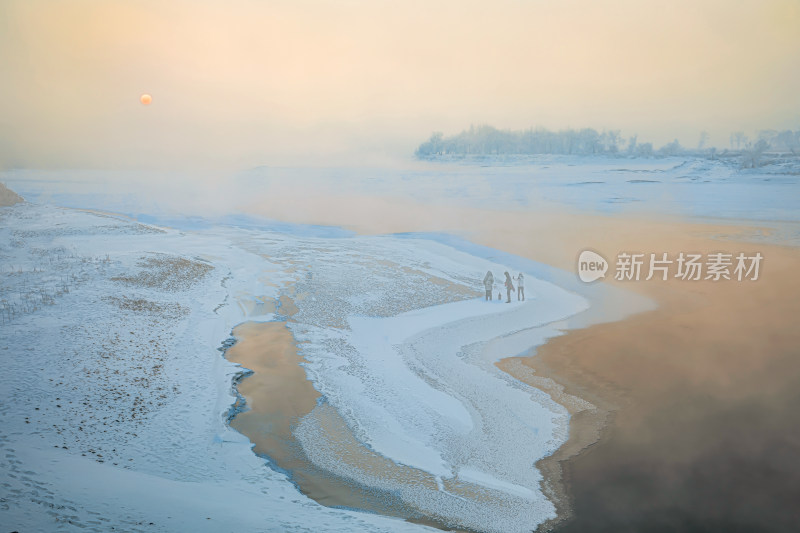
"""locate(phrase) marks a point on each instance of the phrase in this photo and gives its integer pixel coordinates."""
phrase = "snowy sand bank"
(413, 407)
(115, 398)
(111, 330)
(420, 373)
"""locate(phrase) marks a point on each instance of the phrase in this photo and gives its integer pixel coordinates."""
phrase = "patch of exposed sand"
(9, 197)
(278, 395)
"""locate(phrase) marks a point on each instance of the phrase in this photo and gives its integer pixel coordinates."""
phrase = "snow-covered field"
(116, 398)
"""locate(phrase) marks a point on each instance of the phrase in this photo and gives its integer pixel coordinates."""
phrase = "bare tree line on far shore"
(481, 141)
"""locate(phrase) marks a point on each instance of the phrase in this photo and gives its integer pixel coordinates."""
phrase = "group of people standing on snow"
(488, 283)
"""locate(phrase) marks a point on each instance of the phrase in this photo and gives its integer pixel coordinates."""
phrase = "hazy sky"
(239, 83)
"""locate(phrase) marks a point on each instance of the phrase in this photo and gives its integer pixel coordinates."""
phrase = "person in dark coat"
(488, 283)
(509, 287)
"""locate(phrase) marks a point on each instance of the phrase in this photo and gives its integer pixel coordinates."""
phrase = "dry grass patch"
(140, 305)
(167, 272)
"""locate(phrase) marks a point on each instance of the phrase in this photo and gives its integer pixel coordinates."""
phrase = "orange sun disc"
(146, 99)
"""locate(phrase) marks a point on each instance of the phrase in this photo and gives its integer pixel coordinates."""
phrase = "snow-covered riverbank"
(114, 396)
(116, 399)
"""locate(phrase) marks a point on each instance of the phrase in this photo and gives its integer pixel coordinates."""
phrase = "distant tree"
(703, 139)
(738, 138)
(644, 149)
(610, 140)
(787, 140)
(751, 156)
(431, 147)
(589, 142)
(632, 145)
(767, 135)
(673, 148)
